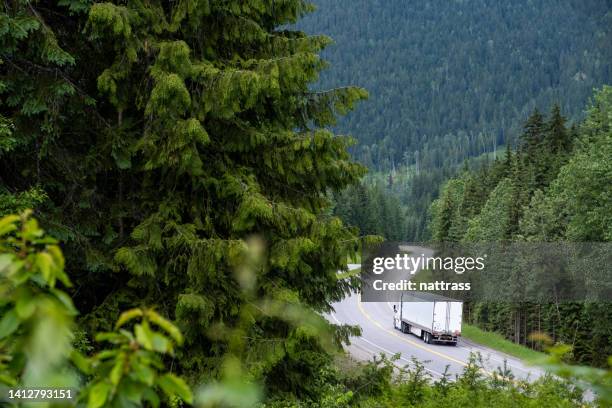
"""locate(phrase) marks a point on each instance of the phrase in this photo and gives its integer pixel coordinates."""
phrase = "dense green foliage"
(382, 384)
(394, 203)
(177, 151)
(37, 332)
(37, 328)
(131, 372)
(153, 139)
(372, 210)
(557, 186)
(455, 79)
(36, 316)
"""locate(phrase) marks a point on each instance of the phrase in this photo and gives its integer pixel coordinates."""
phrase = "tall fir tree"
(557, 138)
(532, 141)
(157, 137)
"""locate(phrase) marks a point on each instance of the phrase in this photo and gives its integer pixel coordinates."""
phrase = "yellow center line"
(405, 340)
(415, 344)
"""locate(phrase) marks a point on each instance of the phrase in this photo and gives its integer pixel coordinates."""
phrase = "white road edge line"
(385, 350)
(489, 355)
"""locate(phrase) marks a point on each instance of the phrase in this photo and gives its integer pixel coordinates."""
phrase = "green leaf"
(117, 371)
(81, 362)
(143, 374)
(127, 316)
(57, 255)
(171, 329)
(132, 391)
(44, 262)
(161, 344)
(151, 396)
(13, 272)
(66, 301)
(8, 224)
(173, 385)
(25, 306)
(5, 379)
(115, 338)
(8, 324)
(106, 354)
(144, 335)
(98, 395)
(5, 261)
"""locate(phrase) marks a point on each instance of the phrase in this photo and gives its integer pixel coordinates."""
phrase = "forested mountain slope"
(457, 78)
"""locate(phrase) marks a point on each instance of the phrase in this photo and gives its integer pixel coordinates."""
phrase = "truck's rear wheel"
(427, 338)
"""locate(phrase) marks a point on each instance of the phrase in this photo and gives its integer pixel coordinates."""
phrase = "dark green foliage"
(455, 79)
(37, 323)
(372, 209)
(555, 187)
(154, 138)
(413, 388)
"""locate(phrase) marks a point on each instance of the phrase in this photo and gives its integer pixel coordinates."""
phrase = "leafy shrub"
(37, 331)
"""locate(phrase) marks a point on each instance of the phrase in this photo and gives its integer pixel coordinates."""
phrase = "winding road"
(379, 336)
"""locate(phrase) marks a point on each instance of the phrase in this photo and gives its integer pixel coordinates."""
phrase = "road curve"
(379, 336)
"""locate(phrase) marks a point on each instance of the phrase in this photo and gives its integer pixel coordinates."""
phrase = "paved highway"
(379, 336)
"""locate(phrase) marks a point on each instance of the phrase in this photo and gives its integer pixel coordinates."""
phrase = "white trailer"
(433, 318)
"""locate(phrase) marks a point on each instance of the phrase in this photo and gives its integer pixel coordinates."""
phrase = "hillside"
(453, 80)
(458, 78)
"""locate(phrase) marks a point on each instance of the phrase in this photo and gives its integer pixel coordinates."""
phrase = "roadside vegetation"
(41, 344)
(498, 342)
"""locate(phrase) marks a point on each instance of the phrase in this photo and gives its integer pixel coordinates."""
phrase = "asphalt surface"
(379, 336)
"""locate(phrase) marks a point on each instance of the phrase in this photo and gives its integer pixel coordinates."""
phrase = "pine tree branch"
(57, 72)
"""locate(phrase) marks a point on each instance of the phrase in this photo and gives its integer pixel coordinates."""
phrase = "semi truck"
(433, 318)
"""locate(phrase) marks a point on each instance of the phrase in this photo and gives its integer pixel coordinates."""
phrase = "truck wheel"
(427, 338)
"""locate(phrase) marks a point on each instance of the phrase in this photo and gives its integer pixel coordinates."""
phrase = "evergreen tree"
(163, 134)
(446, 224)
(557, 138)
(474, 196)
(533, 136)
(493, 223)
(508, 161)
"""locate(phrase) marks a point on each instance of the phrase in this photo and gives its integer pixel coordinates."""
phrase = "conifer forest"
(183, 185)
